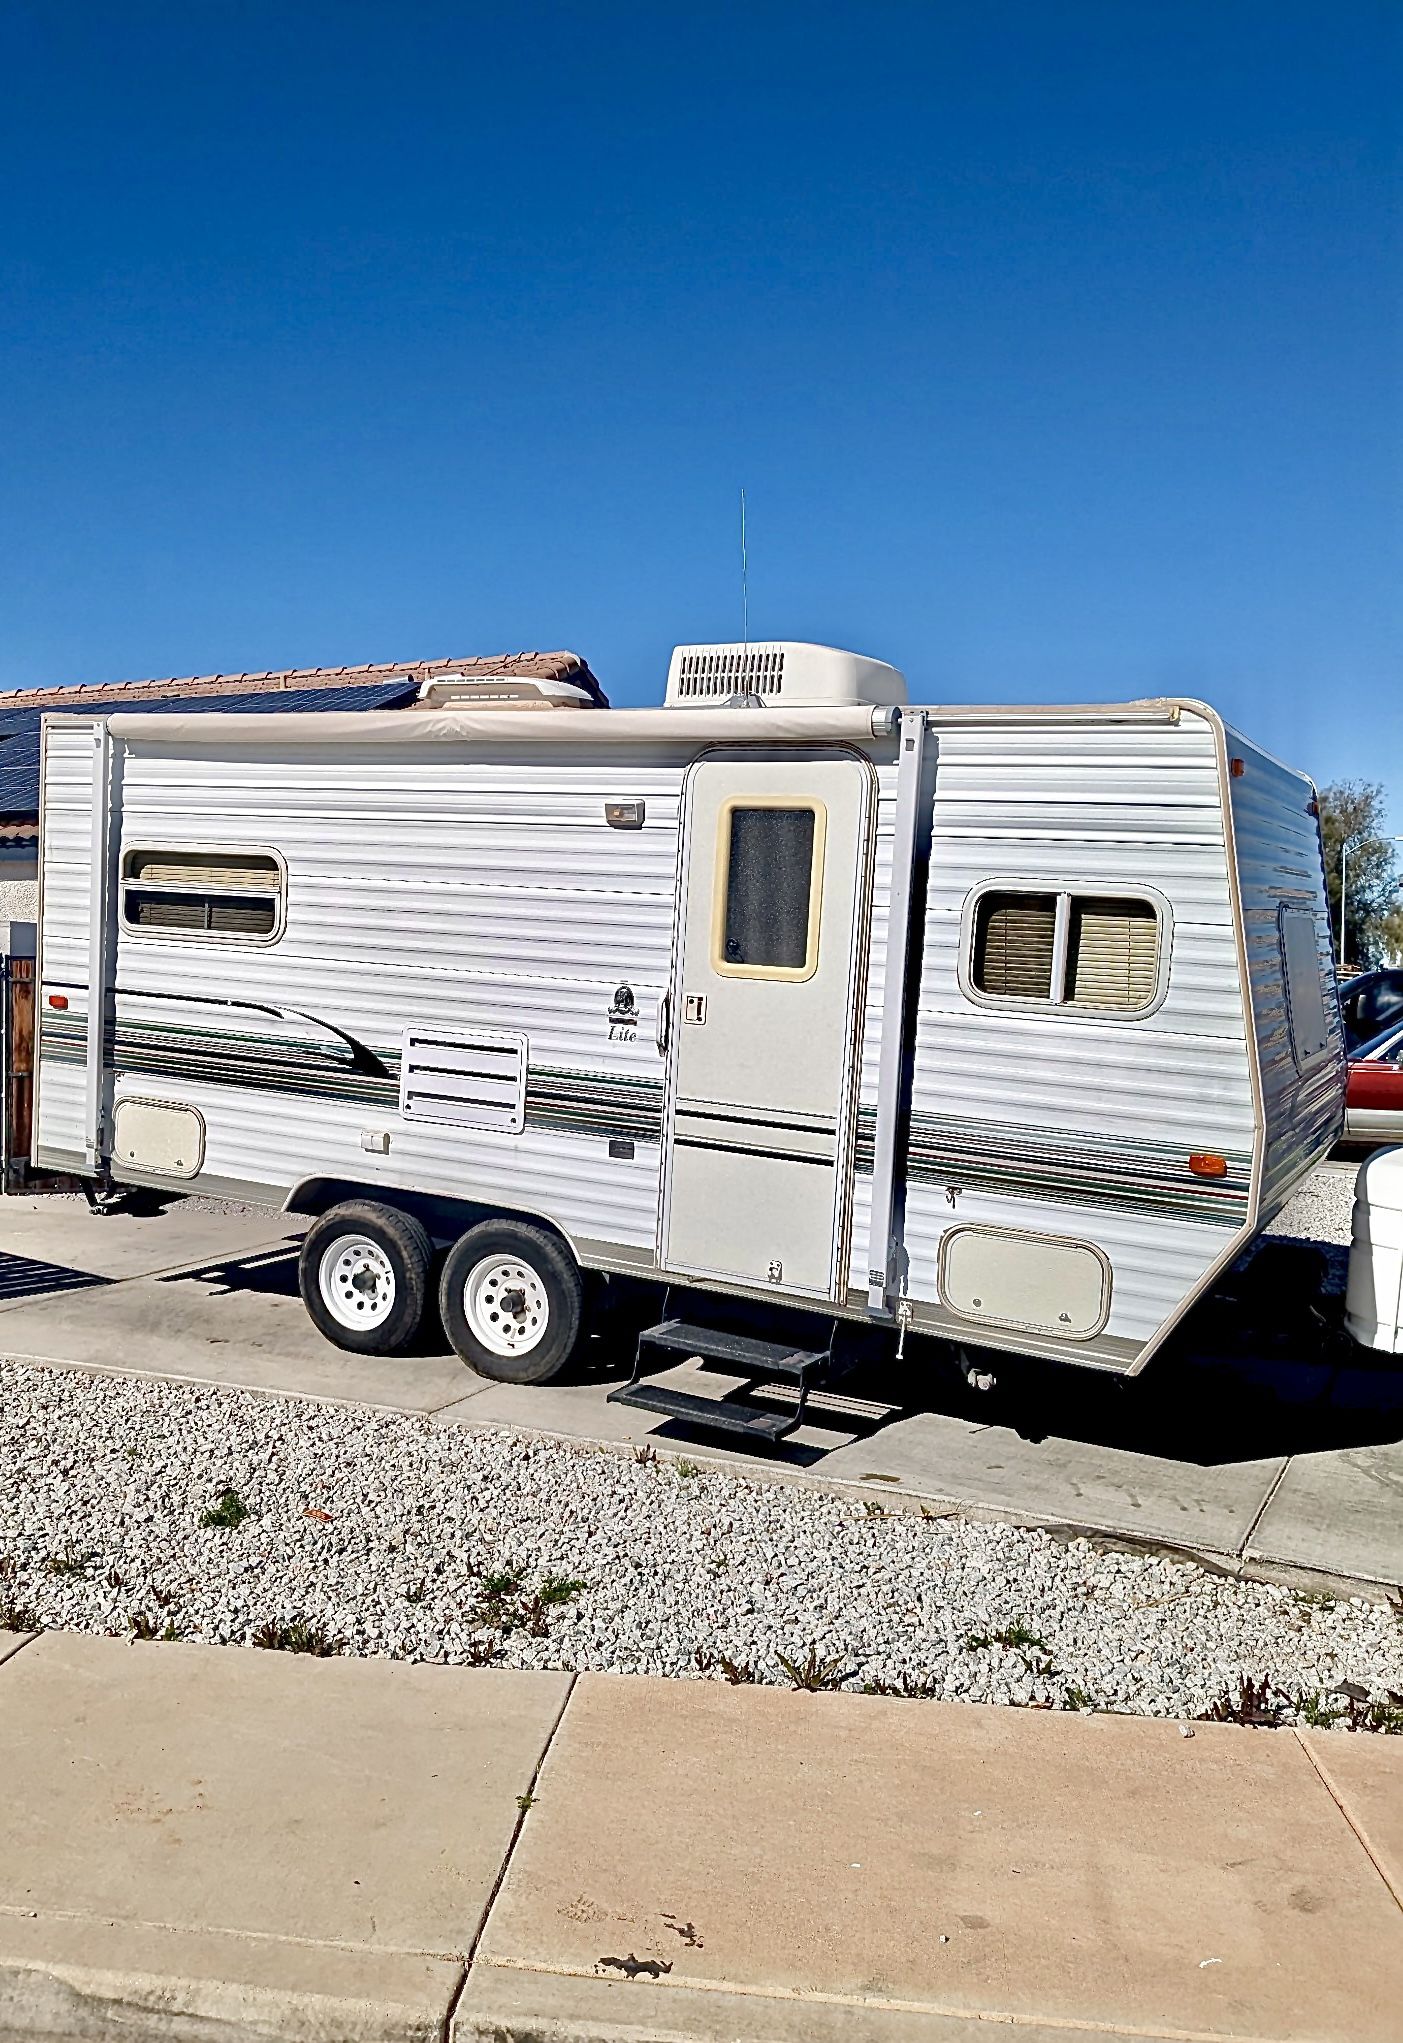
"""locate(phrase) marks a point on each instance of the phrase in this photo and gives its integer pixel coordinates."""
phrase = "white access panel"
(774, 863)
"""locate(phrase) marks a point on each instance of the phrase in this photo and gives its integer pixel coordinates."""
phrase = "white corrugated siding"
(1279, 864)
(1103, 808)
(421, 889)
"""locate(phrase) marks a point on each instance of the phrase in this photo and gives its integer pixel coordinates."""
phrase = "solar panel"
(19, 729)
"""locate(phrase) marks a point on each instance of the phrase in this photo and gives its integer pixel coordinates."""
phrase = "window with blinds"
(1067, 949)
(1112, 952)
(235, 896)
(1014, 939)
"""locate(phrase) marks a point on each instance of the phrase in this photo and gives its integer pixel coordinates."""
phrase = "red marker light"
(59, 1000)
(1204, 1165)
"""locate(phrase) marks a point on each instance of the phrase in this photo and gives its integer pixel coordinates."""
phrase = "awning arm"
(910, 838)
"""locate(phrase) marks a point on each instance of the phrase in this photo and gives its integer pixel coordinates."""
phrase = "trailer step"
(742, 1351)
(726, 1415)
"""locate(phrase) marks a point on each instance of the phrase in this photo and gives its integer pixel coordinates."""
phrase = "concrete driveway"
(1268, 1460)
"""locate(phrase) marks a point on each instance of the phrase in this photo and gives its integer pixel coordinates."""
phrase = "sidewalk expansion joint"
(523, 1810)
(1336, 1798)
(1275, 1484)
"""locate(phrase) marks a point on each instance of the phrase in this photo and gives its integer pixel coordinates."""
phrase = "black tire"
(404, 1251)
(515, 1271)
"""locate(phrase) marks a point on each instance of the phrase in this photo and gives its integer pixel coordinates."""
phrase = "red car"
(1371, 1008)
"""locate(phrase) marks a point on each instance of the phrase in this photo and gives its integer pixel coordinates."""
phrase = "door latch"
(694, 1009)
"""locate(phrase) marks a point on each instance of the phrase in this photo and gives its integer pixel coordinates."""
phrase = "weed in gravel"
(558, 1589)
(144, 1627)
(15, 1614)
(686, 1469)
(737, 1672)
(298, 1635)
(813, 1673)
(227, 1513)
(1318, 1713)
(1254, 1703)
(911, 1688)
(505, 1605)
(645, 1455)
(115, 1580)
(872, 1509)
(482, 1652)
(69, 1564)
(1018, 1634)
(1385, 1717)
(1258, 1702)
(503, 1582)
(1074, 1698)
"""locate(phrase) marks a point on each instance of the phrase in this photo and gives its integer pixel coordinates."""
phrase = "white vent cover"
(781, 671)
(469, 1078)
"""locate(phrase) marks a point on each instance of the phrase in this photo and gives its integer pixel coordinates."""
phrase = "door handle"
(663, 1032)
(694, 1009)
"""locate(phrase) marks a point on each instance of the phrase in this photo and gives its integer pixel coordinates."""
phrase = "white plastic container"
(1374, 1298)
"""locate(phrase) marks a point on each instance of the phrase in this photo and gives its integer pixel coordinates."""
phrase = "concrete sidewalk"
(204, 1844)
(1283, 1467)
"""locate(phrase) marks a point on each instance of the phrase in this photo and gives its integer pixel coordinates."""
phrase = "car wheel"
(364, 1276)
(511, 1298)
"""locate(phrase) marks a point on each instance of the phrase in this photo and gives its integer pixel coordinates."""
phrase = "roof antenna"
(744, 578)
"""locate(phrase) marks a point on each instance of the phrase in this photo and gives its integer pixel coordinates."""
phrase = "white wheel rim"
(505, 1305)
(357, 1282)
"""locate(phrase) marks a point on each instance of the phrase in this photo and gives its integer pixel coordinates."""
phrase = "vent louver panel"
(710, 673)
(468, 1078)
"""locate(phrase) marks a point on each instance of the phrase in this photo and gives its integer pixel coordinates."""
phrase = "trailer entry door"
(773, 881)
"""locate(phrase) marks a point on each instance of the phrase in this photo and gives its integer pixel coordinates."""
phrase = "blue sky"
(1058, 346)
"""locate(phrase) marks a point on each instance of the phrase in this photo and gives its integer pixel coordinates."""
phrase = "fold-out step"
(727, 1415)
(718, 1344)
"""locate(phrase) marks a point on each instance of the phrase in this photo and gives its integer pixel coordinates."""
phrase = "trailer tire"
(511, 1298)
(364, 1276)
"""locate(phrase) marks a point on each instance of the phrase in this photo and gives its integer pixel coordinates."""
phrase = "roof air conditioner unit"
(782, 671)
(502, 691)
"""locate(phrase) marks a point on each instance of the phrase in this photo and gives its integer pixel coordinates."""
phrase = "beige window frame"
(198, 888)
(802, 804)
(1063, 895)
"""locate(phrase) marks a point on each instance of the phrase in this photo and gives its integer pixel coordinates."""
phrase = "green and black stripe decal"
(563, 1101)
(1004, 1158)
(1019, 1162)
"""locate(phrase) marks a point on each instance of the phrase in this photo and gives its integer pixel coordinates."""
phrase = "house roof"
(90, 695)
(323, 690)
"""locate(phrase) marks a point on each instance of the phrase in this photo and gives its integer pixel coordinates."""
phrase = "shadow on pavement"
(1236, 1383)
(28, 1277)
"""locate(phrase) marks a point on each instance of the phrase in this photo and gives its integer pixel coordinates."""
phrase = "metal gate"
(17, 1018)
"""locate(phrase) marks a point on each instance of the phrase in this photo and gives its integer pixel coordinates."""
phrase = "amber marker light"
(59, 1000)
(1204, 1165)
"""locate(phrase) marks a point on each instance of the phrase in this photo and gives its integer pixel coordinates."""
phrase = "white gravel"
(383, 1532)
(1321, 1210)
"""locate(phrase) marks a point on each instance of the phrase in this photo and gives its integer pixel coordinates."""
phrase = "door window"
(769, 884)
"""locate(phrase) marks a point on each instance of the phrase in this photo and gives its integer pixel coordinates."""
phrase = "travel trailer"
(1007, 1026)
